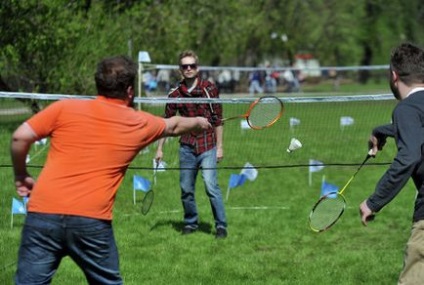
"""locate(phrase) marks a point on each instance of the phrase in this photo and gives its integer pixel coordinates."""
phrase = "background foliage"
(52, 46)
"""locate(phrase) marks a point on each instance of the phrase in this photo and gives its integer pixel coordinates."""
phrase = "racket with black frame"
(262, 113)
(330, 207)
(147, 202)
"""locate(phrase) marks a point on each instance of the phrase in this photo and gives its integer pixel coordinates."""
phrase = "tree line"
(52, 46)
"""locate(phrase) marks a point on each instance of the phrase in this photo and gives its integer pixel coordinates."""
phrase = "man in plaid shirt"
(198, 150)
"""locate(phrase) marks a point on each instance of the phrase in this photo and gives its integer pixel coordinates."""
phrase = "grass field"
(269, 238)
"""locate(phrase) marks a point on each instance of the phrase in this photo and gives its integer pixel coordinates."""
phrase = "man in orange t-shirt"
(92, 144)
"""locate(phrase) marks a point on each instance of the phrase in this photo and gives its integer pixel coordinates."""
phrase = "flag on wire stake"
(314, 166)
(294, 122)
(18, 208)
(327, 188)
(235, 181)
(346, 121)
(140, 183)
(249, 171)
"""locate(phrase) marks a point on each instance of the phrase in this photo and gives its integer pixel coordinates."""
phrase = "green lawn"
(269, 238)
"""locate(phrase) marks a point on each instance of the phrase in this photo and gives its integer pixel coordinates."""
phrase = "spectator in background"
(270, 81)
(225, 81)
(291, 81)
(255, 83)
(235, 79)
(163, 78)
(149, 81)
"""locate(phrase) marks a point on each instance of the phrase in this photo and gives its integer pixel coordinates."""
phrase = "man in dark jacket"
(407, 129)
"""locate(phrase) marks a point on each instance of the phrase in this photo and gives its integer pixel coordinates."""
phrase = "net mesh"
(333, 130)
(327, 211)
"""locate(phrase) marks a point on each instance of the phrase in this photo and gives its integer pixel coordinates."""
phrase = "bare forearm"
(219, 132)
(177, 125)
(22, 139)
(161, 142)
(19, 151)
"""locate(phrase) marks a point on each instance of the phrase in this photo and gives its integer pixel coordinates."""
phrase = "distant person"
(291, 81)
(71, 203)
(163, 78)
(270, 81)
(198, 151)
(235, 81)
(407, 129)
(255, 83)
(150, 82)
(225, 81)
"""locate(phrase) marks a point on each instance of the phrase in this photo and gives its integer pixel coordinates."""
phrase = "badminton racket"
(147, 202)
(262, 113)
(330, 207)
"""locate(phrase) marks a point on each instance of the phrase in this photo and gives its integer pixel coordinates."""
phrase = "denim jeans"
(190, 164)
(47, 238)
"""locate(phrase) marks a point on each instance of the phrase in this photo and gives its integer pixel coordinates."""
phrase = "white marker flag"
(294, 122)
(314, 166)
(346, 121)
(249, 171)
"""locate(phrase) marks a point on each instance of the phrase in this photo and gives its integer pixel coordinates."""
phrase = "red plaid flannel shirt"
(206, 140)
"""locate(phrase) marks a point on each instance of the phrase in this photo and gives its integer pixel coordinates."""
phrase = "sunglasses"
(186, 66)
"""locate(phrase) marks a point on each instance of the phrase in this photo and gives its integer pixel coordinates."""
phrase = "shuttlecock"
(294, 144)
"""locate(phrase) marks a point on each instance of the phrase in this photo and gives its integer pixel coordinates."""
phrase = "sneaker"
(188, 230)
(221, 233)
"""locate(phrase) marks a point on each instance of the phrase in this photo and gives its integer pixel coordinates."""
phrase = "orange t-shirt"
(92, 144)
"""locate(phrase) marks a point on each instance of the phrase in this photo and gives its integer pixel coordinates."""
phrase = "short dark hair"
(407, 60)
(114, 75)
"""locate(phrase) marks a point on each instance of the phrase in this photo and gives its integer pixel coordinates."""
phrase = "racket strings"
(327, 212)
(147, 202)
(265, 112)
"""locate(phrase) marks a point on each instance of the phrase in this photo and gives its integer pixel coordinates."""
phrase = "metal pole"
(140, 83)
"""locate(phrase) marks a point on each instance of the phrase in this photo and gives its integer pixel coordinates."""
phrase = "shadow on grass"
(179, 225)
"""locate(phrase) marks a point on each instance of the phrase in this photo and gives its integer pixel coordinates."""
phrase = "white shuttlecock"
(294, 144)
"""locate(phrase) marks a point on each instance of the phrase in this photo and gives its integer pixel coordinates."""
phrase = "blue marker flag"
(141, 183)
(18, 207)
(236, 180)
(327, 188)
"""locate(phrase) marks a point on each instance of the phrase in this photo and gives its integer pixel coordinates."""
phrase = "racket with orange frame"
(262, 113)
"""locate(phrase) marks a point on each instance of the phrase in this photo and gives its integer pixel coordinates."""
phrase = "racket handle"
(232, 118)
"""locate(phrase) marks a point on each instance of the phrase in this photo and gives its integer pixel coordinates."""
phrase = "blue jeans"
(47, 238)
(190, 164)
